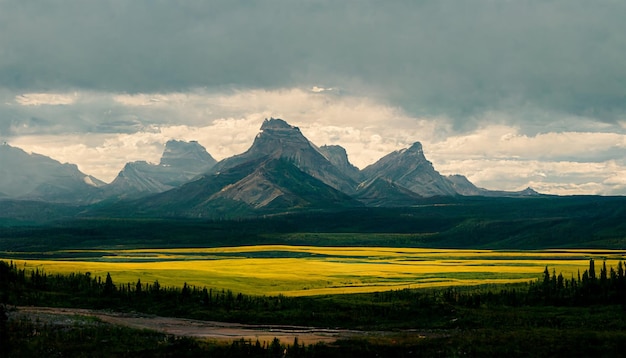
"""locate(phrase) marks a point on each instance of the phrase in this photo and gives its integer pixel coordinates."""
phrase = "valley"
(289, 234)
(313, 270)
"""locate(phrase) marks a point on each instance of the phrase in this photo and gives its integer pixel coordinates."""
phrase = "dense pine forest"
(560, 314)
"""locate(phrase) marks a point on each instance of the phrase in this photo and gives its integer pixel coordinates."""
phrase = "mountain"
(278, 139)
(282, 171)
(464, 187)
(263, 185)
(180, 163)
(382, 192)
(409, 169)
(38, 177)
(339, 158)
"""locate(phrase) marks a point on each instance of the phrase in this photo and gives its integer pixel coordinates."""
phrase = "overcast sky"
(508, 93)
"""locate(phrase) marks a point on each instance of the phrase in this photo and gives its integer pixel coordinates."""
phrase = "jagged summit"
(181, 162)
(529, 192)
(339, 157)
(281, 171)
(410, 169)
(279, 140)
(180, 153)
(415, 150)
(277, 124)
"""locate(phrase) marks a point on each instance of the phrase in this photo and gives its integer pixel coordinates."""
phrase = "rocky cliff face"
(277, 139)
(410, 169)
(339, 157)
(180, 163)
(189, 156)
(280, 172)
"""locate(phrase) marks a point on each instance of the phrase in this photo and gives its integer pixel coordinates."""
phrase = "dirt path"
(185, 327)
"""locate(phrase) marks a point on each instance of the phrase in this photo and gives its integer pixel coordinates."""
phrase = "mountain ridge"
(281, 171)
(180, 163)
(38, 177)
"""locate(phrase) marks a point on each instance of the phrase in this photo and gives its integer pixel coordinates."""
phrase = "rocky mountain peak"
(180, 153)
(181, 162)
(339, 157)
(278, 139)
(277, 124)
(410, 169)
(416, 148)
(529, 192)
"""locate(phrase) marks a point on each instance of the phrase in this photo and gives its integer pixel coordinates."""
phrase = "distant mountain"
(180, 163)
(37, 177)
(408, 168)
(282, 171)
(264, 185)
(278, 139)
(338, 156)
(464, 187)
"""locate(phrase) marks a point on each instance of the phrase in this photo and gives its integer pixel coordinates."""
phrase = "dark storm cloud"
(453, 58)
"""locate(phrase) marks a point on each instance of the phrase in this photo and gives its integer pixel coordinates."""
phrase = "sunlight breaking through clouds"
(520, 82)
(495, 156)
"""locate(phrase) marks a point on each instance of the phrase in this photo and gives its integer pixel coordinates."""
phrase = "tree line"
(542, 303)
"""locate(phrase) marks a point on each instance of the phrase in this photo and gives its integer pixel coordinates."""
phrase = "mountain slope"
(464, 187)
(180, 163)
(278, 139)
(338, 156)
(382, 192)
(279, 184)
(37, 177)
(255, 187)
(410, 169)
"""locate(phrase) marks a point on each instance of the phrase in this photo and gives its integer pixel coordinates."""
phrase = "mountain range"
(282, 171)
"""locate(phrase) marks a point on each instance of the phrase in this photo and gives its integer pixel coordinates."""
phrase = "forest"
(466, 222)
(553, 315)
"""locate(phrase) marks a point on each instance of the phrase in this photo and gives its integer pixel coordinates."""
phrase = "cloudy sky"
(508, 93)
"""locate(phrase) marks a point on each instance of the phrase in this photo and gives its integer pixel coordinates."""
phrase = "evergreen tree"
(592, 270)
(109, 287)
(603, 274)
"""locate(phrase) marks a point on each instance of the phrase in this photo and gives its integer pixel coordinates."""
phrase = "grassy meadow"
(312, 270)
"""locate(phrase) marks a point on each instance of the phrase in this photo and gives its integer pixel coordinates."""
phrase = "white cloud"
(501, 141)
(317, 89)
(495, 156)
(51, 99)
(550, 177)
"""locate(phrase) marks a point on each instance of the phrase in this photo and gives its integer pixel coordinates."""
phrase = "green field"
(312, 270)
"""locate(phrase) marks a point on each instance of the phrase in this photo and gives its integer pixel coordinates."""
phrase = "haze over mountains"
(282, 170)
(180, 163)
(37, 177)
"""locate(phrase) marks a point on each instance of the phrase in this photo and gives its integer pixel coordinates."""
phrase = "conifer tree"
(592, 270)
(109, 287)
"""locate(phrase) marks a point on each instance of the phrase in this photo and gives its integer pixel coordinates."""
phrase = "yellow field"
(310, 270)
